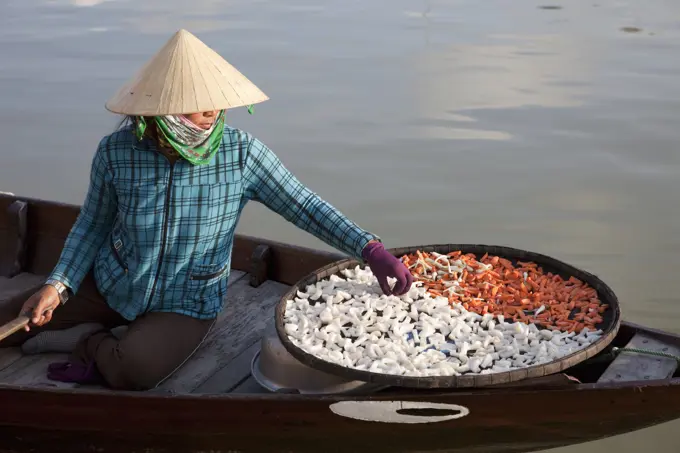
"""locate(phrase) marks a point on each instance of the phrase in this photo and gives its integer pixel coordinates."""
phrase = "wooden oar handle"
(13, 326)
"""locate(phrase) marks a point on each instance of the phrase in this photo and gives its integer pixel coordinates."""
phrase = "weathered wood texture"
(259, 265)
(499, 420)
(10, 287)
(32, 371)
(633, 366)
(16, 368)
(13, 261)
(553, 380)
(232, 374)
(8, 356)
(287, 263)
(239, 326)
(14, 326)
(250, 385)
(49, 223)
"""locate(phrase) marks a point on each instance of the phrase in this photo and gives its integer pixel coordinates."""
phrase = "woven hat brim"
(185, 76)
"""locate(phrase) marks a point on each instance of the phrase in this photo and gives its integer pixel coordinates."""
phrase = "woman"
(157, 225)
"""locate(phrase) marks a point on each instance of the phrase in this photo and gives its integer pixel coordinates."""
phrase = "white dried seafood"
(350, 322)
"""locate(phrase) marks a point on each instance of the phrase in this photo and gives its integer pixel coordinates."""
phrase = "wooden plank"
(9, 287)
(13, 261)
(287, 263)
(240, 325)
(232, 374)
(234, 276)
(633, 366)
(32, 371)
(8, 356)
(553, 380)
(250, 385)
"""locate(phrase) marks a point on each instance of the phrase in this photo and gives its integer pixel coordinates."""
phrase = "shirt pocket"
(116, 249)
(111, 271)
(207, 282)
(208, 273)
(122, 246)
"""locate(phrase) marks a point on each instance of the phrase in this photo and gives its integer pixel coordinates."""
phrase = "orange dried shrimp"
(522, 293)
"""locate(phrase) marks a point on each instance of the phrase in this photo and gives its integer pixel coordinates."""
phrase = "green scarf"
(192, 143)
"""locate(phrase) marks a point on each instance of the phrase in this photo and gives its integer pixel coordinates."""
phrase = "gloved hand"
(383, 264)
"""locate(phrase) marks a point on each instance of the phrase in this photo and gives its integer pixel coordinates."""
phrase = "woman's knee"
(150, 350)
(126, 368)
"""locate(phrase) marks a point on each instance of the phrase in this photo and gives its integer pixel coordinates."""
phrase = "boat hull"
(496, 421)
(504, 420)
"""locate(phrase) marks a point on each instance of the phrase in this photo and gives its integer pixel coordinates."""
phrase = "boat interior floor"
(222, 363)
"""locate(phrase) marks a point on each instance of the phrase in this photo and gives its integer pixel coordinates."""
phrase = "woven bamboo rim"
(609, 326)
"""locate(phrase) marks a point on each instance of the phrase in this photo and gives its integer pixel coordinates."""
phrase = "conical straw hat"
(185, 76)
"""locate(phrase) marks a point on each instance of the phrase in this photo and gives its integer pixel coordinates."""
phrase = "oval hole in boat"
(399, 411)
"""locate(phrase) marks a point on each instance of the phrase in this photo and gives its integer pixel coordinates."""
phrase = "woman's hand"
(383, 264)
(41, 305)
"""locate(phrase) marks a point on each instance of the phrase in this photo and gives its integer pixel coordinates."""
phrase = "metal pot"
(276, 370)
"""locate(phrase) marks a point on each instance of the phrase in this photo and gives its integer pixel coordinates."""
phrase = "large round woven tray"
(609, 326)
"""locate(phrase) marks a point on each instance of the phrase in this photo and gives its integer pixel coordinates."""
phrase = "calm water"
(505, 122)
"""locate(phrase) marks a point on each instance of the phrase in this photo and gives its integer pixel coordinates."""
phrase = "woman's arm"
(269, 182)
(92, 225)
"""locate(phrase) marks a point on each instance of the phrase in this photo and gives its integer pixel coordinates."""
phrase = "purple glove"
(383, 264)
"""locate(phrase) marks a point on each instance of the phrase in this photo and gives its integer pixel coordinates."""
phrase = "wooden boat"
(213, 404)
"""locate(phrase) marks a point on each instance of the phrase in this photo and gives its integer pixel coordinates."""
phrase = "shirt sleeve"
(270, 183)
(91, 227)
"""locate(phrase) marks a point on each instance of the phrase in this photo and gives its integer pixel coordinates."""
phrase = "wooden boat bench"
(637, 366)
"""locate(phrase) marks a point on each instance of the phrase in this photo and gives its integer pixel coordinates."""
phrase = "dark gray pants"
(152, 348)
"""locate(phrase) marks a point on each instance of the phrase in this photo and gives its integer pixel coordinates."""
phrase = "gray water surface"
(549, 126)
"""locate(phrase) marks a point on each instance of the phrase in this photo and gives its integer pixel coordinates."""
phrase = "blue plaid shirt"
(160, 235)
